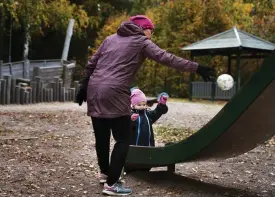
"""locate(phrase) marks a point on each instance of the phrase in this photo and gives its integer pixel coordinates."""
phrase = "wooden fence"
(30, 69)
(37, 81)
(20, 91)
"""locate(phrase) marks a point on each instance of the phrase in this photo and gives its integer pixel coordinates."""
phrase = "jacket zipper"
(138, 130)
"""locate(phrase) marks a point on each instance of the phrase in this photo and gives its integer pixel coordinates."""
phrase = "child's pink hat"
(137, 96)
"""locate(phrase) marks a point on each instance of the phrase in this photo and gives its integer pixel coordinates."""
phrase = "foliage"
(109, 28)
(41, 15)
(180, 23)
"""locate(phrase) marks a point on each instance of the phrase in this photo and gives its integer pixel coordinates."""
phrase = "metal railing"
(203, 90)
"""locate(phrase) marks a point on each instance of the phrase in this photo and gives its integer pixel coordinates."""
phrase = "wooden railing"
(18, 91)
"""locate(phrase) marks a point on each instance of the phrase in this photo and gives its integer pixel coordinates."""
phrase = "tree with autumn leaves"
(37, 17)
(41, 26)
(180, 23)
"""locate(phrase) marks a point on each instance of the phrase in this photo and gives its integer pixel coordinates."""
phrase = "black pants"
(121, 131)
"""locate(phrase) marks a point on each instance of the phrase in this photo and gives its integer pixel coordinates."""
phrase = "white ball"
(225, 81)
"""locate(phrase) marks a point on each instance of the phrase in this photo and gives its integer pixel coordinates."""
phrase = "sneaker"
(116, 190)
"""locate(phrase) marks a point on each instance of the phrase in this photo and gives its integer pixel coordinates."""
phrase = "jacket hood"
(128, 28)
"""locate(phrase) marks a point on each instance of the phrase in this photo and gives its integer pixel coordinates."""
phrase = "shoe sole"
(115, 194)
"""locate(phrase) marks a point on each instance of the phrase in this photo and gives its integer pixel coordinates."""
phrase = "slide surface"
(246, 121)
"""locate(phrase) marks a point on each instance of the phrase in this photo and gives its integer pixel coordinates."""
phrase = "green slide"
(246, 121)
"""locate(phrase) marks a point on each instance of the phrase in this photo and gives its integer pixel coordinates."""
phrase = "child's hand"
(134, 117)
(163, 99)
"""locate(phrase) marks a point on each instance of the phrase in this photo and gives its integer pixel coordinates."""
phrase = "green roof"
(233, 38)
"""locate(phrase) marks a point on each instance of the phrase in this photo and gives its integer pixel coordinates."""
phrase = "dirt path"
(59, 157)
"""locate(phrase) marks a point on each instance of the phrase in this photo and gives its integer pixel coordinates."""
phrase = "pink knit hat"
(143, 21)
(137, 96)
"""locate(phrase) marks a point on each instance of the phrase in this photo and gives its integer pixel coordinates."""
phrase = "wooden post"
(48, 95)
(68, 40)
(66, 76)
(8, 89)
(66, 96)
(229, 64)
(17, 95)
(38, 89)
(30, 95)
(69, 94)
(238, 72)
(42, 92)
(13, 84)
(63, 94)
(10, 67)
(213, 91)
(26, 69)
(3, 95)
(51, 95)
(191, 78)
(36, 72)
(73, 94)
(52, 87)
(26, 97)
(56, 92)
(61, 91)
(1, 68)
(33, 87)
(22, 95)
(44, 99)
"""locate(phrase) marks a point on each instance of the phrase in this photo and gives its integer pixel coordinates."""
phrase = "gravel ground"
(48, 150)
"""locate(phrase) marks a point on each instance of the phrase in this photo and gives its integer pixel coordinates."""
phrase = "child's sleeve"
(155, 114)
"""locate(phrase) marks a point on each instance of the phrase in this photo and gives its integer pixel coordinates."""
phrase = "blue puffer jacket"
(142, 131)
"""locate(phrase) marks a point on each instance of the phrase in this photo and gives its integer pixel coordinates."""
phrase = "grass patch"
(5, 131)
(171, 134)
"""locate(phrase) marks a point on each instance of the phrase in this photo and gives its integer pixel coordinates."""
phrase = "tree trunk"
(26, 51)
(27, 42)
(68, 40)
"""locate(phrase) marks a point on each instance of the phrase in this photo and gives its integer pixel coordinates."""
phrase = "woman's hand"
(207, 73)
(81, 96)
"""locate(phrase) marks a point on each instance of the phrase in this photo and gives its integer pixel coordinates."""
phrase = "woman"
(106, 87)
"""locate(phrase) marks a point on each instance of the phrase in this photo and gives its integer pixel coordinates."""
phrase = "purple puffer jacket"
(113, 67)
